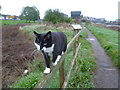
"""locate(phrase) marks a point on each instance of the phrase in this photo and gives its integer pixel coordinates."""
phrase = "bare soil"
(16, 52)
(112, 27)
(115, 28)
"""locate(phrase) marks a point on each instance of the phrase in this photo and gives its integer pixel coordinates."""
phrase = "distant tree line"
(54, 16)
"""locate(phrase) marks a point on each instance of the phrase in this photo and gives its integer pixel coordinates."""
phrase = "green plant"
(55, 16)
(30, 13)
(86, 62)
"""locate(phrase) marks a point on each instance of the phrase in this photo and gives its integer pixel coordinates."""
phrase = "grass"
(109, 41)
(33, 76)
(14, 22)
(80, 76)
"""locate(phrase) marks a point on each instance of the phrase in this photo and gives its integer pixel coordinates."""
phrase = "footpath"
(106, 75)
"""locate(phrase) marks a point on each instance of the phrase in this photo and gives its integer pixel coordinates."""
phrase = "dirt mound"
(16, 52)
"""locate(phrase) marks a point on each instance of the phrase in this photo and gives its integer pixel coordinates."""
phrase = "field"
(16, 52)
(36, 66)
(14, 22)
(109, 41)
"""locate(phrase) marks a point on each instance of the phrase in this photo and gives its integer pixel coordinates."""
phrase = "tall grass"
(82, 74)
(109, 41)
(85, 60)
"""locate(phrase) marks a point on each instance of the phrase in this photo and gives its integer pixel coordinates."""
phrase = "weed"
(82, 74)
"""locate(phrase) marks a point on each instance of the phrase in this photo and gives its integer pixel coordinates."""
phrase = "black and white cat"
(51, 44)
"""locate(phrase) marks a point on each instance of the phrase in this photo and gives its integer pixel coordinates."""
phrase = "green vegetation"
(15, 22)
(29, 13)
(32, 78)
(55, 16)
(81, 75)
(109, 41)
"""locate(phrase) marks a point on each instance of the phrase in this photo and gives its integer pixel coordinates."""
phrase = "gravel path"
(106, 75)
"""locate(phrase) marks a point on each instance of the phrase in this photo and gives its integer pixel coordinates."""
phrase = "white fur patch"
(58, 58)
(48, 50)
(25, 71)
(38, 46)
(62, 53)
(44, 48)
(47, 70)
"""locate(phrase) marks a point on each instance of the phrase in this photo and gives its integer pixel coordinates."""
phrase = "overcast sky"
(107, 9)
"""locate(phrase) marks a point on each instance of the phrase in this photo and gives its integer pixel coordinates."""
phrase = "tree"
(30, 13)
(55, 16)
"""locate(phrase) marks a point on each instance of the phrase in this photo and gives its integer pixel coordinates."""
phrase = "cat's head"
(43, 40)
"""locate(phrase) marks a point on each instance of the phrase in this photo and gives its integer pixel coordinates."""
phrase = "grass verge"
(80, 76)
(109, 41)
(14, 22)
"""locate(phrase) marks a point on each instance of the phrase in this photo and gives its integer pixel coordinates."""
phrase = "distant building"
(95, 20)
(100, 20)
(75, 14)
(89, 18)
(9, 17)
(117, 20)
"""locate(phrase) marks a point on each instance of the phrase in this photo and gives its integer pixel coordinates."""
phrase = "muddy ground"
(114, 28)
(16, 52)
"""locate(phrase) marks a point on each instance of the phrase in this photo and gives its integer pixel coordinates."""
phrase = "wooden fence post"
(75, 45)
(79, 39)
(74, 50)
(61, 74)
(76, 28)
(70, 69)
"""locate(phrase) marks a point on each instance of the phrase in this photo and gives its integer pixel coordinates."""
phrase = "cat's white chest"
(49, 50)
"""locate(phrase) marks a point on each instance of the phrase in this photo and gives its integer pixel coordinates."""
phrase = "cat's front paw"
(54, 63)
(47, 71)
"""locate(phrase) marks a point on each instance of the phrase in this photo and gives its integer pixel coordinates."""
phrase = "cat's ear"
(48, 34)
(35, 33)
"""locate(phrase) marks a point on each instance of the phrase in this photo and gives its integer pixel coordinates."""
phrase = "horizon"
(107, 9)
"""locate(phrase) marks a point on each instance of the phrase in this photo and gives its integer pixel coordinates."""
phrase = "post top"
(76, 26)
